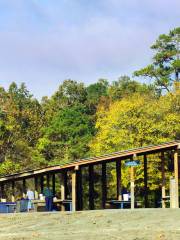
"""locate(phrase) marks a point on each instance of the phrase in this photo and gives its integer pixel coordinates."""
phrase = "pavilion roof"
(120, 155)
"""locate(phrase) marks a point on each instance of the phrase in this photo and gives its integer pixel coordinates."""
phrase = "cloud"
(44, 42)
(100, 42)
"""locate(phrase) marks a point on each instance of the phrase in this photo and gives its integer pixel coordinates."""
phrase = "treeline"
(78, 121)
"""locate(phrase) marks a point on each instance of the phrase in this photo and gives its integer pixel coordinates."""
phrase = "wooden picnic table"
(41, 203)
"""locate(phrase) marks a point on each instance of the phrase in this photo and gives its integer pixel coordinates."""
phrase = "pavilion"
(74, 171)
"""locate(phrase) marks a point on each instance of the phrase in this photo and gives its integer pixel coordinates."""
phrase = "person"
(30, 197)
(48, 198)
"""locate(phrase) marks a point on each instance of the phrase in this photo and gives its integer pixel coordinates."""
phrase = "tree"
(165, 67)
(96, 91)
(70, 92)
(137, 121)
(21, 118)
(125, 87)
(67, 136)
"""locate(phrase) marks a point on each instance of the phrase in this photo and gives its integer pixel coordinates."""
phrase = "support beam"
(91, 187)
(54, 184)
(24, 188)
(104, 185)
(47, 180)
(176, 178)
(13, 191)
(145, 182)
(36, 187)
(79, 189)
(118, 179)
(63, 185)
(2, 190)
(163, 180)
(42, 183)
(74, 191)
(172, 192)
(132, 187)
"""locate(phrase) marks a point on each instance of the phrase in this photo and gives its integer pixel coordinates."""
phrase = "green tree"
(96, 91)
(69, 93)
(67, 136)
(21, 118)
(165, 67)
(125, 87)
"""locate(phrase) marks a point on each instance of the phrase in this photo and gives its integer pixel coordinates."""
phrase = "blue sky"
(43, 42)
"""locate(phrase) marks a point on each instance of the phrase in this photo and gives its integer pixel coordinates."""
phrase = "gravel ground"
(140, 224)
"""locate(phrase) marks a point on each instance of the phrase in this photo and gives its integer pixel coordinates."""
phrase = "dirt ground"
(140, 224)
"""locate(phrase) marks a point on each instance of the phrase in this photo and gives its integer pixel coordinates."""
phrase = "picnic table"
(121, 204)
(58, 202)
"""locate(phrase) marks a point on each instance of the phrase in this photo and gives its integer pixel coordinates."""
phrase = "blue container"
(24, 205)
(7, 207)
(3, 208)
(12, 208)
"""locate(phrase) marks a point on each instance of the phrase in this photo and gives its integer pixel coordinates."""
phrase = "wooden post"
(24, 188)
(172, 192)
(63, 185)
(2, 190)
(132, 187)
(79, 193)
(91, 187)
(54, 184)
(104, 185)
(42, 183)
(47, 179)
(74, 191)
(145, 182)
(13, 192)
(163, 180)
(118, 178)
(36, 187)
(176, 177)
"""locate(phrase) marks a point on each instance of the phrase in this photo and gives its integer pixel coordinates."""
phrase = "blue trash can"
(7, 207)
(3, 208)
(12, 208)
(24, 205)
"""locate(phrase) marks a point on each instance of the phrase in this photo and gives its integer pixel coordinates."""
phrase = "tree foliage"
(165, 68)
(21, 118)
(67, 136)
(137, 121)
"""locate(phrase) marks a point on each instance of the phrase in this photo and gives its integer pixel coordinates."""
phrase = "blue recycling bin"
(3, 208)
(24, 205)
(7, 207)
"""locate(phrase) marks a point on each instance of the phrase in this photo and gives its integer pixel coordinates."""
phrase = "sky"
(43, 42)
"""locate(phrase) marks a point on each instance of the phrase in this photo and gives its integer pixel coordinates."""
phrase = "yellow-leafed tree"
(138, 121)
